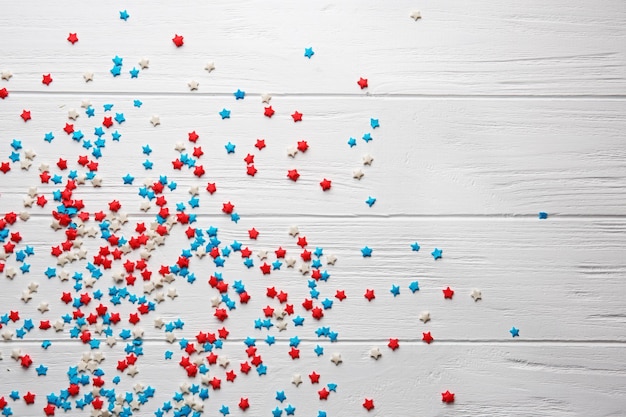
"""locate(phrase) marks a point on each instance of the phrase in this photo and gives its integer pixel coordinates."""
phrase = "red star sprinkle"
(253, 233)
(249, 159)
(393, 344)
(49, 409)
(245, 367)
(280, 252)
(303, 146)
(369, 294)
(62, 164)
(5, 167)
(69, 128)
(41, 201)
(447, 397)
(193, 136)
(297, 117)
(107, 122)
(260, 143)
(269, 111)
(448, 293)
(29, 398)
(302, 242)
(368, 404)
(340, 295)
(15, 316)
(197, 152)
(243, 403)
(4, 93)
(25, 115)
(426, 337)
(211, 188)
(72, 38)
(294, 353)
(251, 170)
(325, 184)
(178, 40)
(228, 208)
(47, 79)
(177, 164)
(323, 393)
(362, 82)
(293, 174)
(314, 377)
(26, 362)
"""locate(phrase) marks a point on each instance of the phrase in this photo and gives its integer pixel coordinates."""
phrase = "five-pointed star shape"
(416, 15)
(476, 295)
(210, 66)
(336, 359)
(424, 316)
(155, 120)
(375, 353)
(296, 380)
(6, 75)
(265, 98)
(144, 63)
(367, 159)
(193, 85)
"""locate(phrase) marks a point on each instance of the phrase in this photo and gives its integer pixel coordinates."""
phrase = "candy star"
(370, 201)
(514, 332)
(193, 85)
(368, 404)
(331, 259)
(374, 123)
(293, 174)
(415, 15)
(4, 93)
(367, 159)
(239, 95)
(325, 184)
(336, 359)
(265, 98)
(424, 316)
(225, 114)
(72, 38)
(294, 231)
(297, 117)
(43, 307)
(155, 120)
(362, 83)
(476, 295)
(369, 294)
(6, 75)
(25, 115)
(375, 353)
(426, 337)
(124, 15)
(357, 174)
(178, 40)
(308, 52)
(436, 253)
(543, 215)
(292, 151)
(268, 111)
(144, 63)
(415, 247)
(448, 293)
(47, 79)
(447, 397)
(366, 252)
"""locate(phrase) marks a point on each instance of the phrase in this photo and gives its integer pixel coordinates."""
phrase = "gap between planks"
(334, 95)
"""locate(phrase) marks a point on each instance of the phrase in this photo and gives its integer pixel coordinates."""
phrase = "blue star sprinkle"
(370, 201)
(137, 103)
(308, 52)
(414, 286)
(367, 137)
(128, 179)
(415, 247)
(514, 332)
(239, 95)
(352, 142)
(124, 15)
(543, 215)
(366, 252)
(437, 253)
(395, 290)
(230, 147)
(147, 164)
(225, 114)
(134, 73)
(280, 396)
(48, 137)
(374, 123)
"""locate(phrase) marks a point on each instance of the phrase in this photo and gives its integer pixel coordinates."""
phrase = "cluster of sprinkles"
(92, 317)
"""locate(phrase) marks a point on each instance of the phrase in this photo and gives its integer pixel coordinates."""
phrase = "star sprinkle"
(325, 184)
(72, 38)
(415, 247)
(514, 332)
(368, 404)
(297, 116)
(193, 85)
(155, 120)
(447, 397)
(308, 52)
(426, 337)
(448, 293)
(424, 316)
(543, 215)
(362, 83)
(265, 98)
(239, 95)
(375, 353)
(178, 40)
(366, 252)
(476, 295)
(225, 114)
(415, 15)
(47, 79)
(210, 66)
(124, 15)
(436, 253)
(6, 75)
(370, 201)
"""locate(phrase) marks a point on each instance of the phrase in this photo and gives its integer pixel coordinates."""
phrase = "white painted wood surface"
(489, 114)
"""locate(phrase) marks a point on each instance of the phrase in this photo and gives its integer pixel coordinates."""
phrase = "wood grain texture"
(431, 156)
(524, 47)
(489, 114)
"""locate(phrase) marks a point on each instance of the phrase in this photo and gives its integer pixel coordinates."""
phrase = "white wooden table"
(489, 113)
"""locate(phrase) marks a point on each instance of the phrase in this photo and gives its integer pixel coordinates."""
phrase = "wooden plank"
(516, 379)
(558, 279)
(560, 48)
(431, 156)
